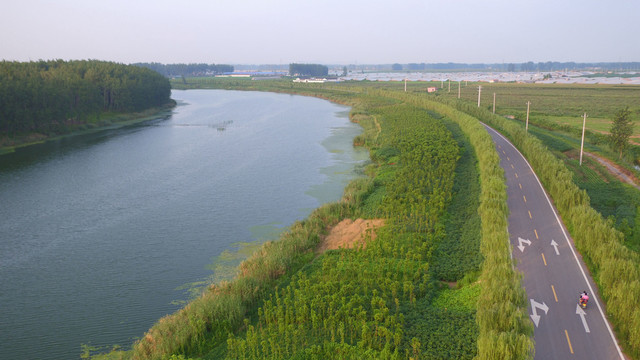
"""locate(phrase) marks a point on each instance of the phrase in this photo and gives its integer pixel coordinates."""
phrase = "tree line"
(47, 96)
(308, 70)
(173, 70)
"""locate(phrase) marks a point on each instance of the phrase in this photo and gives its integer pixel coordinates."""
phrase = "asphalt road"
(553, 272)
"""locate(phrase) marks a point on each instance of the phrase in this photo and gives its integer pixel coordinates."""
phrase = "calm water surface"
(99, 233)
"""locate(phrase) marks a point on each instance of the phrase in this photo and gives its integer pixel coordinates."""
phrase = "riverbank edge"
(512, 331)
(111, 122)
(177, 332)
(230, 301)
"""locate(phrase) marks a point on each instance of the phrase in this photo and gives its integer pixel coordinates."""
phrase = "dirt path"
(621, 173)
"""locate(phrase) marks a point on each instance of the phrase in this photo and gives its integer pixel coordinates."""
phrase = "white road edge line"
(613, 337)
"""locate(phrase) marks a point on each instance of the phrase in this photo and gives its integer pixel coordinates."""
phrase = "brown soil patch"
(349, 234)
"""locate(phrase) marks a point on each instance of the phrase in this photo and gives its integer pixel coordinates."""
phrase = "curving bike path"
(554, 273)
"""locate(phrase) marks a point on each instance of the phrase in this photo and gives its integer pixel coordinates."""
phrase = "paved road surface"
(554, 273)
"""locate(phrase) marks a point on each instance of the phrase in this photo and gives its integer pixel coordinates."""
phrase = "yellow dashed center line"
(530, 217)
(536, 231)
(516, 175)
(525, 198)
(568, 341)
(520, 186)
(512, 166)
(544, 260)
(508, 158)
(554, 293)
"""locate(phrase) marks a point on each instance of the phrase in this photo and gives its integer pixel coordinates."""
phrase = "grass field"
(564, 104)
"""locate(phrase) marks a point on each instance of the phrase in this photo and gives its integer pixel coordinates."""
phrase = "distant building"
(312, 80)
(235, 75)
(431, 89)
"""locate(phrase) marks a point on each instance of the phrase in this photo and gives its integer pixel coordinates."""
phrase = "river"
(101, 234)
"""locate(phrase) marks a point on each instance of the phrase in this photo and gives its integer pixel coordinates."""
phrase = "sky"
(321, 31)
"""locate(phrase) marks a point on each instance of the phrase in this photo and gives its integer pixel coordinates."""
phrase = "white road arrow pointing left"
(520, 241)
(536, 305)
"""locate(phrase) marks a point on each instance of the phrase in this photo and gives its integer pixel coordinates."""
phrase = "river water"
(100, 233)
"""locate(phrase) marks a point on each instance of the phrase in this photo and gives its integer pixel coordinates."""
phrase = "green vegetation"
(308, 70)
(551, 100)
(621, 130)
(504, 326)
(457, 255)
(48, 98)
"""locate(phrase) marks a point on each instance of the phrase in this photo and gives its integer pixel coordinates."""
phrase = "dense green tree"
(621, 130)
(48, 96)
(528, 66)
(308, 70)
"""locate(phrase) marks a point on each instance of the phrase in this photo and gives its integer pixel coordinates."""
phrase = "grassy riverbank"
(410, 293)
(105, 121)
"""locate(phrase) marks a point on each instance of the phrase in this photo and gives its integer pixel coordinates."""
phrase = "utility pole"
(526, 128)
(584, 124)
(494, 103)
(459, 81)
(479, 91)
(441, 83)
(449, 85)
(405, 84)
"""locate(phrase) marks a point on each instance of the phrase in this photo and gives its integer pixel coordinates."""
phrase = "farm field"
(562, 104)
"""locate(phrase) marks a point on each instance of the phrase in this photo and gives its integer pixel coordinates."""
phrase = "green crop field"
(563, 104)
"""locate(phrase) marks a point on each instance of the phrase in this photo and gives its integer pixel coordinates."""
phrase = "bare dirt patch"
(349, 234)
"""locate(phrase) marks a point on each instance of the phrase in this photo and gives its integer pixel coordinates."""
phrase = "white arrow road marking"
(582, 315)
(535, 317)
(555, 246)
(520, 241)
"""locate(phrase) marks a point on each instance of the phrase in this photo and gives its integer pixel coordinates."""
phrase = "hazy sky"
(322, 31)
